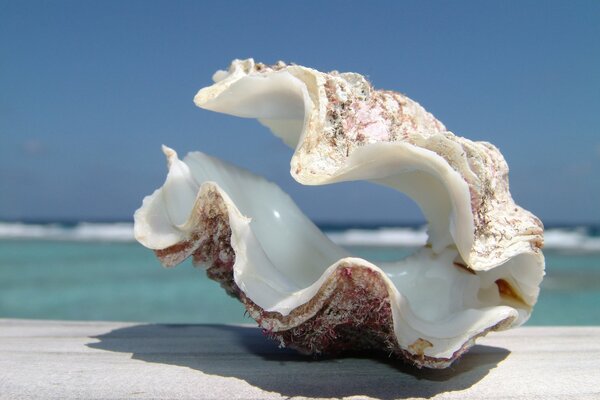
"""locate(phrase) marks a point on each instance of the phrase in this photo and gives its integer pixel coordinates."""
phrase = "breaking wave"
(578, 239)
(83, 231)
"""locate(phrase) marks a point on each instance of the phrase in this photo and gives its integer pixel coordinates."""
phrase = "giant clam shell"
(480, 270)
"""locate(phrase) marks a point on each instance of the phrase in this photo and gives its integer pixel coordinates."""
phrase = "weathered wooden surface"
(64, 360)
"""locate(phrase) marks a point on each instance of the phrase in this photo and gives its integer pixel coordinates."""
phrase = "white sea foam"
(387, 237)
(84, 231)
(571, 239)
(574, 239)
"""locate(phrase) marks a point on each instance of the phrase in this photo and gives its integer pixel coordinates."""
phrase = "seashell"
(480, 270)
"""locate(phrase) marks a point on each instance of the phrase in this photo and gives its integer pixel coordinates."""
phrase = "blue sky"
(90, 90)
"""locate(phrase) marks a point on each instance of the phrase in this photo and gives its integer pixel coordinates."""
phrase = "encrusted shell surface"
(479, 271)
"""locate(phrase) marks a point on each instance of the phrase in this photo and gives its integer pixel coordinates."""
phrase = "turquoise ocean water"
(100, 279)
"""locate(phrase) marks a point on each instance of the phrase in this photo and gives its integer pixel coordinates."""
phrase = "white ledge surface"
(110, 360)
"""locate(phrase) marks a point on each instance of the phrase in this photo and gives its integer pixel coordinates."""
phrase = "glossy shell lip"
(479, 271)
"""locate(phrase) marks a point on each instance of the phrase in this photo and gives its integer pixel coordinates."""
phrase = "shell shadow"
(244, 353)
